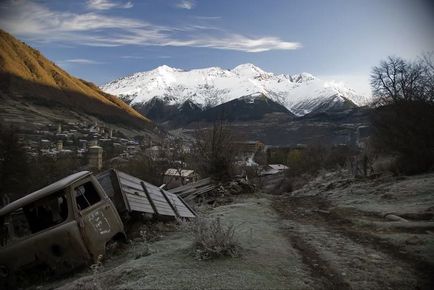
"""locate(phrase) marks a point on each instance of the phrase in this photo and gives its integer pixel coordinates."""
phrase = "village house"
(177, 177)
(248, 151)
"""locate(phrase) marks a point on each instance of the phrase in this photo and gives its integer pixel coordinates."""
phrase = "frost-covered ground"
(267, 260)
(365, 234)
(334, 233)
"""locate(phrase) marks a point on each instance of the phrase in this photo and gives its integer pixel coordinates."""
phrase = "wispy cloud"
(132, 57)
(207, 17)
(36, 22)
(186, 4)
(107, 4)
(81, 61)
(135, 57)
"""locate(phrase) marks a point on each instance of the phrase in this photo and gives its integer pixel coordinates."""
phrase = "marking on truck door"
(99, 222)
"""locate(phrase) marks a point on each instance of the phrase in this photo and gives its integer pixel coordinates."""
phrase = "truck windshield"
(34, 217)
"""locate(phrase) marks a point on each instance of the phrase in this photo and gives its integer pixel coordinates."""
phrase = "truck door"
(98, 219)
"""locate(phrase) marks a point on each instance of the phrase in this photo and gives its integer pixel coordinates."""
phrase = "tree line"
(403, 117)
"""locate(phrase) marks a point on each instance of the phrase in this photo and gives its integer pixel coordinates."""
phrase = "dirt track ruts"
(340, 255)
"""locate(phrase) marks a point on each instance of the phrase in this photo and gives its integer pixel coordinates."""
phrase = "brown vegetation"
(212, 239)
(215, 151)
(25, 72)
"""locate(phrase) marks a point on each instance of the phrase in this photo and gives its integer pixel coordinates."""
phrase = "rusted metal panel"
(141, 196)
(177, 206)
(135, 194)
(139, 204)
(163, 207)
(191, 186)
(181, 207)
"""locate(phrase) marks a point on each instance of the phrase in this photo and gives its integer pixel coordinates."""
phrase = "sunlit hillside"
(26, 72)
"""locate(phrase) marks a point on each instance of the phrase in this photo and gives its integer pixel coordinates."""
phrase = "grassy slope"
(26, 71)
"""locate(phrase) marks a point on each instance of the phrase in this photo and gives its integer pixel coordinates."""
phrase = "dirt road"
(346, 247)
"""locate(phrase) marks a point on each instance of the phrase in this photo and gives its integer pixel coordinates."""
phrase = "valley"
(190, 144)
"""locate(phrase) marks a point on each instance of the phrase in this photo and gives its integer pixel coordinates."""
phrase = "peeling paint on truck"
(100, 222)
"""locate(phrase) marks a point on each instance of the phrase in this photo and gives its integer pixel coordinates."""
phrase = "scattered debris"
(206, 191)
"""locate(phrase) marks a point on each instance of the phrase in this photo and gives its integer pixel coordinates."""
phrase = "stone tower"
(59, 145)
(95, 157)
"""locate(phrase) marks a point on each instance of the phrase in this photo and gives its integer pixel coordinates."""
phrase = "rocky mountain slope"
(246, 108)
(300, 94)
(29, 81)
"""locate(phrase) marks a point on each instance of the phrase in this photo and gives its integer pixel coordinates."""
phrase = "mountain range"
(242, 93)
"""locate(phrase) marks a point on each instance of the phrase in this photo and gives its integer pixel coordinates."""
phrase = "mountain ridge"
(27, 75)
(213, 86)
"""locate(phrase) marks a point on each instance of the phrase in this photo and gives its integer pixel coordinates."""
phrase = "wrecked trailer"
(61, 226)
(70, 222)
(133, 195)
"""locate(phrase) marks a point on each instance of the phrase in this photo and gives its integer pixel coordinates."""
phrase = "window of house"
(86, 195)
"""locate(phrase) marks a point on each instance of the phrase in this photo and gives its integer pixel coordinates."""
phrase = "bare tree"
(215, 151)
(403, 119)
(427, 61)
(397, 80)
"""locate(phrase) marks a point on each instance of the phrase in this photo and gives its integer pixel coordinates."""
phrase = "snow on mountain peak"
(247, 68)
(164, 69)
(208, 87)
(303, 77)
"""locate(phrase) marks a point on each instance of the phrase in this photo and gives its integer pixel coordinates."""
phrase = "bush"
(406, 130)
(213, 240)
(311, 159)
(402, 121)
(215, 152)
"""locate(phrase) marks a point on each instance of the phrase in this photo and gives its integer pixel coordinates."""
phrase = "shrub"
(215, 151)
(307, 160)
(402, 122)
(212, 239)
(311, 159)
(406, 130)
(96, 274)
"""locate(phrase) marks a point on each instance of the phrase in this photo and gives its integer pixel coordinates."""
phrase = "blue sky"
(339, 40)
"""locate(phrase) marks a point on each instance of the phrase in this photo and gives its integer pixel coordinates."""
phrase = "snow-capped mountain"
(209, 87)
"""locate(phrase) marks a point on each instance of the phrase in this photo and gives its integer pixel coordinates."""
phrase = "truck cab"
(62, 226)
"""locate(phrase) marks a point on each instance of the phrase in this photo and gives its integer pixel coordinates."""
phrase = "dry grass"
(25, 71)
(96, 272)
(212, 239)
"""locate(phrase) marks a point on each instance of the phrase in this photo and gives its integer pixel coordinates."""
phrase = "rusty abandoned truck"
(70, 222)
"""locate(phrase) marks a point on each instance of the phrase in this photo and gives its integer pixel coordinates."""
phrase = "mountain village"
(171, 161)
